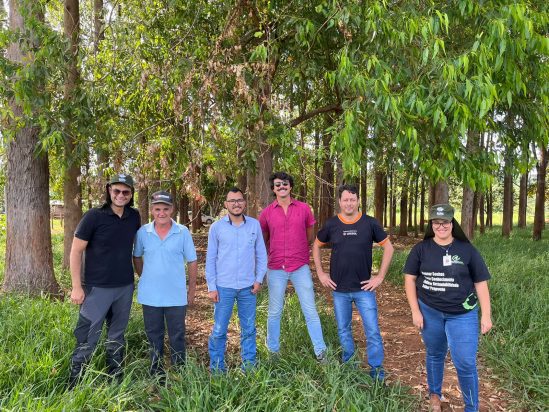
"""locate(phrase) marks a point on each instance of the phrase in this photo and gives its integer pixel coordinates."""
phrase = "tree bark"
(364, 188)
(327, 183)
(539, 212)
(507, 223)
(422, 207)
(523, 200)
(403, 227)
(481, 206)
(72, 191)
(184, 208)
(29, 258)
(441, 193)
(379, 196)
(489, 207)
(392, 201)
(143, 202)
(467, 211)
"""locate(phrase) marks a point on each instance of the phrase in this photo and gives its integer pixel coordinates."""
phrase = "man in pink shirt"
(287, 226)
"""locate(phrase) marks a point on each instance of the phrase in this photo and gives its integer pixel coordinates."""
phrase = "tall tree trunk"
(523, 200)
(422, 207)
(481, 206)
(252, 207)
(403, 227)
(316, 200)
(72, 191)
(173, 192)
(416, 193)
(467, 211)
(184, 207)
(196, 222)
(29, 259)
(392, 201)
(364, 188)
(386, 201)
(490, 207)
(441, 193)
(379, 196)
(143, 202)
(507, 223)
(327, 183)
(539, 213)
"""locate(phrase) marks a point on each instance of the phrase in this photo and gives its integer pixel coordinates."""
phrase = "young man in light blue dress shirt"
(161, 249)
(236, 263)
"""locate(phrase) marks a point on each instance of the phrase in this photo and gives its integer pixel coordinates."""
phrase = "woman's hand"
(417, 319)
(485, 324)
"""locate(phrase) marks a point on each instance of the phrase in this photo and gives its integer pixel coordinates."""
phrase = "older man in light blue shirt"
(236, 263)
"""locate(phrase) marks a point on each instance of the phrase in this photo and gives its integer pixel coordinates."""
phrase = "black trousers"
(155, 319)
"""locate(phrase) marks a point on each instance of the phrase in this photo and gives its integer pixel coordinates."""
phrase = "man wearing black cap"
(161, 249)
(105, 290)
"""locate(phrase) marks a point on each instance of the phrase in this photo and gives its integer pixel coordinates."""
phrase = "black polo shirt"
(108, 256)
(447, 284)
(351, 259)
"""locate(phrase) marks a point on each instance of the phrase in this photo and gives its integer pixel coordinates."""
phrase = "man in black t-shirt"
(351, 236)
(104, 292)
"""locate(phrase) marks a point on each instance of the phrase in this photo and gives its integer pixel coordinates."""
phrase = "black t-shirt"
(447, 287)
(351, 260)
(108, 255)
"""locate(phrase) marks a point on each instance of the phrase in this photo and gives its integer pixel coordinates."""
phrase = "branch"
(304, 117)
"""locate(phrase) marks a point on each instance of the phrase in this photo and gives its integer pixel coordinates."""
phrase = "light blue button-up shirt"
(236, 256)
(163, 282)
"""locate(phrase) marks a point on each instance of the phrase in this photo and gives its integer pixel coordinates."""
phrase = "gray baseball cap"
(162, 197)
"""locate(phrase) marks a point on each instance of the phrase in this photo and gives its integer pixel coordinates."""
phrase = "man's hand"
(191, 295)
(256, 288)
(372, 283)
(214, 296)
(326, 280)
(77, 295)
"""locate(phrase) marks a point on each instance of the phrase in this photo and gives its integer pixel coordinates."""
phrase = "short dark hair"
(235, 189)
(349, 188)
(108, 199)
(281, 176)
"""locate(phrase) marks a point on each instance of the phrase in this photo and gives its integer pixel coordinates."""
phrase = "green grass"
(518, 346)
(36, 342)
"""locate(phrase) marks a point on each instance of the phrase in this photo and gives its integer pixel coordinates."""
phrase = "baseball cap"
(441, 211)
(121, 178)
(162, 197)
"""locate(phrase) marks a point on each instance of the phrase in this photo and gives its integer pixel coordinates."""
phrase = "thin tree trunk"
(523, 200)
(422, 207)
(379, 197)
(326, 185)
(316, 202)
(481, 206)
(143, 202)
(539, 213)
(392, 197)
(184, 208)
(467, 211)
(72, 191)
(29, 258)
(507, 224)
(416, 193)
(403, 227)
(386, 201)
(364, 188)
(490, 208)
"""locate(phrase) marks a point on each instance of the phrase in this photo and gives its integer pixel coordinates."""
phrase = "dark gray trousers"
(174, 318)
(100, 304)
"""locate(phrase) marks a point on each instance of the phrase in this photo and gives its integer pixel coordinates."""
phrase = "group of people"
(445, 277)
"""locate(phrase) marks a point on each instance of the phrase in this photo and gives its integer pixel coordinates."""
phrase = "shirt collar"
(149, 227)
(276, 204)
(226, 218)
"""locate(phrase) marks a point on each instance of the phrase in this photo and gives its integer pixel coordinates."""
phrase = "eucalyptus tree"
(29, 261)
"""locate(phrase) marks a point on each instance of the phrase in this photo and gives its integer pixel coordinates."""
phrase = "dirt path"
(404, 351)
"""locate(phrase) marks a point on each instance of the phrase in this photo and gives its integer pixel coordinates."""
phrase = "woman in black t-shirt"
(446, 281)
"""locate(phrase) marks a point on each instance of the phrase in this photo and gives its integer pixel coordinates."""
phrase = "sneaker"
(322, 357)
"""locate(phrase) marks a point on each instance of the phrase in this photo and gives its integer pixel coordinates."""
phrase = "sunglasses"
(124, 193)
(278, 184)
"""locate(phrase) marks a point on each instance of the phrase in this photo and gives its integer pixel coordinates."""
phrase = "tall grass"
(518, 346)
(36, 343)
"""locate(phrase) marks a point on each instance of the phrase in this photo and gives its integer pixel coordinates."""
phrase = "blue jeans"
(217, 342)
(303, 285)
(365, 302)
(459, 332)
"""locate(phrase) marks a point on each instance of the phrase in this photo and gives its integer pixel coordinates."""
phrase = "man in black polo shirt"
(351, 235)
(106, 235)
